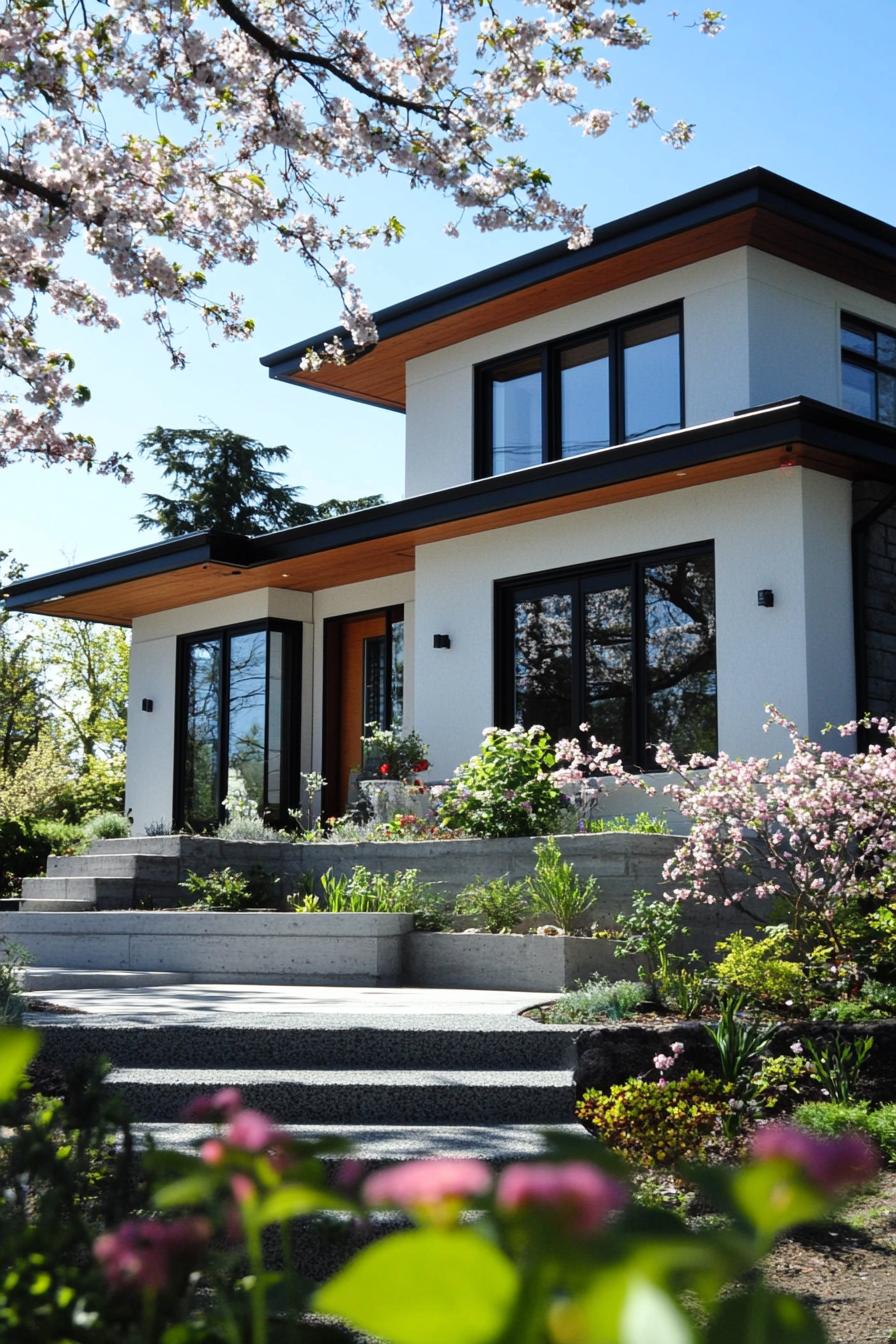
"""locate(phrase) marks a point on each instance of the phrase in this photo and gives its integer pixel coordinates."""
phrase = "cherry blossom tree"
(168, 139)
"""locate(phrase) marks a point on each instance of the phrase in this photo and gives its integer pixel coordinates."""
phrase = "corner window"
(580, 395)
(628, 648)
(238, 694)
(868, 359)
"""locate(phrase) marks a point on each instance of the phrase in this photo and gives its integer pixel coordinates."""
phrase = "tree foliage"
(23, 708)
(220, 479)
(171, 139)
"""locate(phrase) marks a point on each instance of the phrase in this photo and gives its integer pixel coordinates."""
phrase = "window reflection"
(245, 751)
(516, 415)
(202, 733)
(542, 662)
(868, 356)
(585, 397)
(652, 378)
(396, 678)
(680, 643)
(608, 665)
(275, 718)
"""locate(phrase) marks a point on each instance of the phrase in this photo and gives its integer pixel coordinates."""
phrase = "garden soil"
(847, 1269)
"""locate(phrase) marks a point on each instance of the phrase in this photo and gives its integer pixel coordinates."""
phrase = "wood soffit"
(118, 604)
(378, 376)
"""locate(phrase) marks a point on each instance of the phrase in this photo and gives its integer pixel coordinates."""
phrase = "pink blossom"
(213, 1152)
(143, 1254)
(831, 1164)
(578, 1195)
(427, 1183)
(221, 1105)
(254, 1132)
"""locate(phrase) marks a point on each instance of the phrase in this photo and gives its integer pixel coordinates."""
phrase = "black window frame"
(509, 590)
(549, 353)
(871, 365)
(291, 712)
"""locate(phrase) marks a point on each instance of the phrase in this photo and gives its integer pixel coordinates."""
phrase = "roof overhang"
(381, 541)
(752, 209)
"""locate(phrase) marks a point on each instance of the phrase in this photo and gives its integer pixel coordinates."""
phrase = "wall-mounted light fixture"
(766, 597)
(441, 641)
(146, 706)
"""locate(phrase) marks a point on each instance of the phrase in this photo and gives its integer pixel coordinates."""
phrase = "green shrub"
(642, 824)
(499, 904)
(647, 931)
(838, 1065)
(13, 960)
(830, 1118)
(781, 1081)
(557, 890)
(226, 889)
(106, 826)
(504, 790)
(25, 847)
(597, 999)
(363, 892)
(650, 1125)
(99, 787)
(761, 969)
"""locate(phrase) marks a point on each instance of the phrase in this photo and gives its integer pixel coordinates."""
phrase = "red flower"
(384, 768)
(420, 766)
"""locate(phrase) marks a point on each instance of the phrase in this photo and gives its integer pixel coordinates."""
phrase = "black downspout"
(859, 533)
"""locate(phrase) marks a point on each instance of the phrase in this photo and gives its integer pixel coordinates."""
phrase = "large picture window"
(628, 648)
(237, 719)
(580, 394)
(868, 357)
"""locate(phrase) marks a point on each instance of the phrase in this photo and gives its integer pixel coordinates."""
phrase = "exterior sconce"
(441, 641)
(766, 597)
(146, 706)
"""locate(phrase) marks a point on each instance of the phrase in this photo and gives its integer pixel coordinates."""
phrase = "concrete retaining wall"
(510, 961)
(217, 946)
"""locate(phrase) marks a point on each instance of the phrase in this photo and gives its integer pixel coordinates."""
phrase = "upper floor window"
(580, 394)
(868, 355)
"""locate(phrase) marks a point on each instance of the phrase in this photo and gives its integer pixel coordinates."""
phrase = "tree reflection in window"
(247, 704)
(608, 665)
(543, 662)
(679, 599)
(202, 733)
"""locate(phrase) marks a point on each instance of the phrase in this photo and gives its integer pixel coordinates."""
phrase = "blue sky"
(804, 89)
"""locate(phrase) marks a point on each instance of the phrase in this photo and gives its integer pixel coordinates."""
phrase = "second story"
(748, 292)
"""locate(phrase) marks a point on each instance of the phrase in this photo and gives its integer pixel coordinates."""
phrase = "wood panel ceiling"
(378, 377)
(119, 604)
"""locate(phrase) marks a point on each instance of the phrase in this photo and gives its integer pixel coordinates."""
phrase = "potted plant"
(392, 762)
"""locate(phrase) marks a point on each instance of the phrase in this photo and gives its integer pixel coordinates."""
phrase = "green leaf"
(444, 1287)
(774, 1197)
(17, 1049)
(291, 1201)
(189, 1190)
(762, 1317)
(622, 1306)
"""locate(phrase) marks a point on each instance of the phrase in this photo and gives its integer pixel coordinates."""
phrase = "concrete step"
(302, 1041)
(148, 867)
(378, 1144)
(77, 893)
(362, 1096)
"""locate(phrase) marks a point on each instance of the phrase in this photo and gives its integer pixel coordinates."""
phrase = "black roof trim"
(800, 420)
(749, 189)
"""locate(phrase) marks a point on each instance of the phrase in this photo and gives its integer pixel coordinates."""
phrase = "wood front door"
(362, 683)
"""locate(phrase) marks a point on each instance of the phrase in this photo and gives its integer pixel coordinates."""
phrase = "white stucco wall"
(150, 781)
(784, 530)
(439, 431)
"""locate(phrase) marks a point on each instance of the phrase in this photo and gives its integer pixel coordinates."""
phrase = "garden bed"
(510, 961)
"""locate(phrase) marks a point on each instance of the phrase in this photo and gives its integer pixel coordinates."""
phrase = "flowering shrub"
(816, 831)
(650, 1125)
(557, 1252)
(507, 789)
(388, 754)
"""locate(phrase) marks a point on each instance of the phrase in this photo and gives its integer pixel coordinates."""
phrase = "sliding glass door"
(238, 723)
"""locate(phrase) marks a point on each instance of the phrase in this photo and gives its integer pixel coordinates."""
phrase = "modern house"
(648, 486)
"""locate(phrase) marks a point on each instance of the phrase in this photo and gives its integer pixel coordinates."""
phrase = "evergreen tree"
(220, 479)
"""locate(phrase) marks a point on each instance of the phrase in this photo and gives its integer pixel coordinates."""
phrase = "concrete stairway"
(400, 1087)
(104, 880)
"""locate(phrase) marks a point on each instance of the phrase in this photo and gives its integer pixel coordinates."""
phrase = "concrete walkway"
(167, 1001)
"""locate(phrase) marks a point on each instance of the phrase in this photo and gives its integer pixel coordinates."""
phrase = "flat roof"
(382, 540)
(754, 208)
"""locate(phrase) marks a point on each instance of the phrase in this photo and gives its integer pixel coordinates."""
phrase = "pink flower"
(143, 1254)
(580, 1196)
(221, 1105)
(831, 1164)
(677, 1048)
(427, 1183)
(243, 1188)
(796, 1048)
(254, 1132)
(213, 1152)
